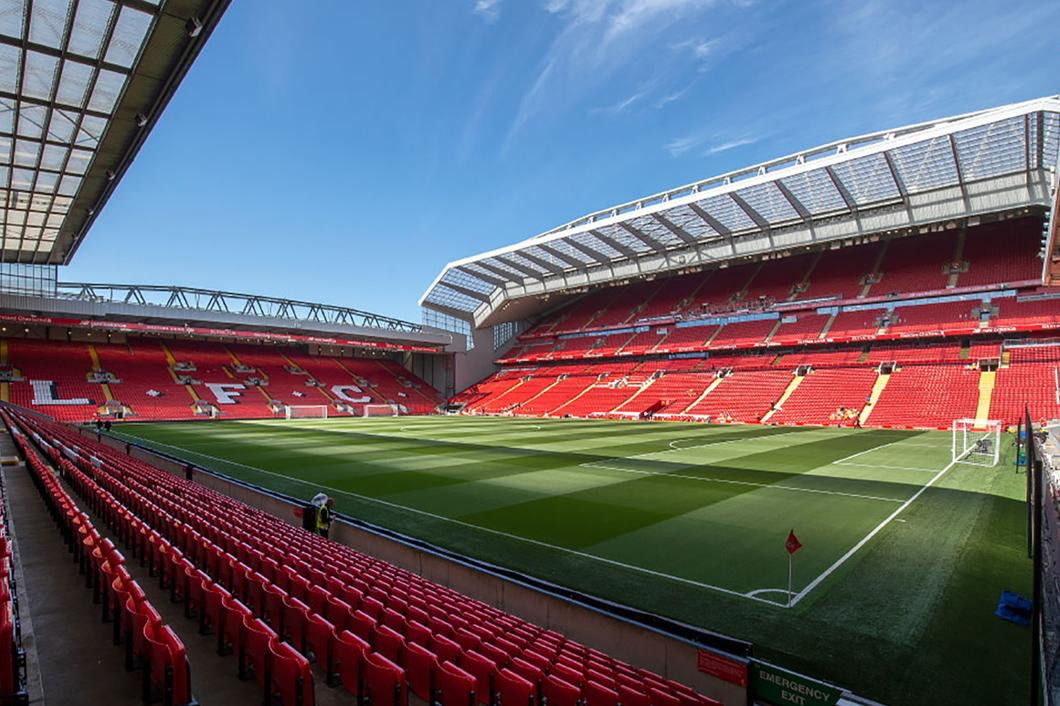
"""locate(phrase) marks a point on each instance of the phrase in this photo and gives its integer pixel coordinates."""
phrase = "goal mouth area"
(976, 441)
(316, 411)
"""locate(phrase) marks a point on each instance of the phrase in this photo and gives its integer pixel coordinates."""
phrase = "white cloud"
(729, 145)
(679, 145)
(488, 9)
(598, 39)
(671, 97)
(621, 106)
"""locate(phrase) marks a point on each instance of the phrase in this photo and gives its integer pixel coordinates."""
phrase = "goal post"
(381, 410)
(305, 411)
(977, 442)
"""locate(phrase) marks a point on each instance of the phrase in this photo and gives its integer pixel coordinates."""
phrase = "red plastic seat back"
(632, 697)
(456, 686)
(512, 689)
(289, 676)
(483, 670)
(388, 642)
(319, 640)
(600, 695)
(557, 692)
(421, 666)
(384, 682)
(348, 659)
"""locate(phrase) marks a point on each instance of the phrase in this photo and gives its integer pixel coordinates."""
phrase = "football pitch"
(904, 553)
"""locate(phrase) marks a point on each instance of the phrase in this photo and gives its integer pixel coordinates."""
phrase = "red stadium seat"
(456, 687)
(512, 689)
(349, 654)
(421, 665)
(290, 679)
(557, 692)
(384, 682)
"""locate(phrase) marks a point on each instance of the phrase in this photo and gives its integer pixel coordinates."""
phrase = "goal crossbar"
(305, 411)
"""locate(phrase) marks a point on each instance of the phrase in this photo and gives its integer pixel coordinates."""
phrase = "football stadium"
(784, 435)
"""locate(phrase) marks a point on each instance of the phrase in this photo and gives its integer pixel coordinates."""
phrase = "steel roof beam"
(642, 237)
(722, 229)
(590, 251)
(508, 276)
(677, 230)
(551, 267)
(898, 181)
(803, 212)
(559, 255)
(510, 262)
(465, 291)
(614, 244)
(842, 189)
(754, 215)
(480, 276)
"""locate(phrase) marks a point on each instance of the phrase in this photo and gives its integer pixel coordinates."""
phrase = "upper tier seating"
(1002, 252)
(838, 273)
(378, 630)
(915, 264)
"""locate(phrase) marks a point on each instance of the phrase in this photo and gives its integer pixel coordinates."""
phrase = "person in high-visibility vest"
(324, 513)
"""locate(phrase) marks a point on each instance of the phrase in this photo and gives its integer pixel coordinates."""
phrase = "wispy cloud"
(671, 97)
(729, 145)
(679, 145)
(489, 10)
(597, 40)
(621, 106)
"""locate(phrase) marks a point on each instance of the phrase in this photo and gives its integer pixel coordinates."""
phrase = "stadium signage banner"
(780, 687)
(126, 327)
(725, 668)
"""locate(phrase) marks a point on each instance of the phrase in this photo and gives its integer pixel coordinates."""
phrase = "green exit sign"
(783, 688)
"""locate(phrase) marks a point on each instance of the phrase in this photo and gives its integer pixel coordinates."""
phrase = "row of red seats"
(324, 597)
(150, 645)
(12, 656)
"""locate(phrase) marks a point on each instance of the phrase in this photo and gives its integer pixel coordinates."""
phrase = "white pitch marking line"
(874, 448)
(641, 569)
(890, 468)
(853, 550)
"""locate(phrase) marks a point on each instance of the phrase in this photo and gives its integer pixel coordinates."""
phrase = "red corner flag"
(792, 544)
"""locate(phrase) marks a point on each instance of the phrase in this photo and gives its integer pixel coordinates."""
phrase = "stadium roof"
(967, 165)
(82, 82)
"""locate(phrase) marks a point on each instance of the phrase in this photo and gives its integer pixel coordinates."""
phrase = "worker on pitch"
(324, 512)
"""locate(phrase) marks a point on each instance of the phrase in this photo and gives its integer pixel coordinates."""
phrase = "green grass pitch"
(903, 560)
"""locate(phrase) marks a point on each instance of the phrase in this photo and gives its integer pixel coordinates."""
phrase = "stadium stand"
(279, 598)
(912, 304)
(76, 382)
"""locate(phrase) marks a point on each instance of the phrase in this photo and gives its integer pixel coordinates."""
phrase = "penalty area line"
(452, 520)
(865, 540)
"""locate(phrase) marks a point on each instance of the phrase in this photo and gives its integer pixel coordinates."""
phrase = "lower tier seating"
(279, 596)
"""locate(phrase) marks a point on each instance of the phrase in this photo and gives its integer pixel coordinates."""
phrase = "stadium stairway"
(796, 380)
(987, 378)
(710, 388)
(877, 389)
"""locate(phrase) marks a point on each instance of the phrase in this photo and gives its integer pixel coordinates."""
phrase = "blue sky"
(345, 151)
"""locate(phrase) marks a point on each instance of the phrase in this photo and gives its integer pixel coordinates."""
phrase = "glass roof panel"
(1051, 140)
(926, 165)
(728, 212)
(689, 220)
(867, 179)
(621, 235)
(816, 192)
(48, 102)
(767, 200)
(463, 279)
(993, 149)
(591, 241)
(656, 231)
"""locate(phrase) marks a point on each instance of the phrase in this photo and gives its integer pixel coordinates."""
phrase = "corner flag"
(792, 544)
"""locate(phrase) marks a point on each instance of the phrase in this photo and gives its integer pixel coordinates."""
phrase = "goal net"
(976, 443)
(307, 411)
(381, 410)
